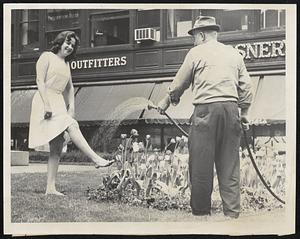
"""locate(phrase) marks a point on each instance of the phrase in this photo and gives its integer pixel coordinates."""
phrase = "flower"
(123, 136)
(172, 141)
(118, 157)
(134, 132)
(135, 147)
(148, 136)
(168, 152)
(121, 147)
(141, 144)
(160, 157)
(184, 138)
(178, 138)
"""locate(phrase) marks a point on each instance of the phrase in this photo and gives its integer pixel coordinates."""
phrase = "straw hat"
(204, 22)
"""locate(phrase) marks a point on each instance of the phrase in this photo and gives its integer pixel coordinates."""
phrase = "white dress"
(56, 73)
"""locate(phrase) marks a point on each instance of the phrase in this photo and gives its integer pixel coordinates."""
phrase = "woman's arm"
(70, 96)
(41, 72)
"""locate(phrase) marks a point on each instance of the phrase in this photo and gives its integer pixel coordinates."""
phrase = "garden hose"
(181, 129)
(152, 106)
(257, 170)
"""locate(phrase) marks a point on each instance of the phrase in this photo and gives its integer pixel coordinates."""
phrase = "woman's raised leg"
(56, 146)
(78, 139)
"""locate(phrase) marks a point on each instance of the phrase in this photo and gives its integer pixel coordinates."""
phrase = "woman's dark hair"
(60, 39)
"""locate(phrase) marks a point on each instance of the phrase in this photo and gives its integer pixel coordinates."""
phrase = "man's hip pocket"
(200, 118)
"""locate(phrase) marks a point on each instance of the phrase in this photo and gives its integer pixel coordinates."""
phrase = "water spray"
(152, 106)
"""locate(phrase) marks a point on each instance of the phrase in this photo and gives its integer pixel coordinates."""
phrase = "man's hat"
(204, 22)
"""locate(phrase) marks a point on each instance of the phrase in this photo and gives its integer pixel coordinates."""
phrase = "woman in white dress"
(51, 116)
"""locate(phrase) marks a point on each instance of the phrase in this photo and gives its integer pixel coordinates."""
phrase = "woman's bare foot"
(54, 192)
(101, 162)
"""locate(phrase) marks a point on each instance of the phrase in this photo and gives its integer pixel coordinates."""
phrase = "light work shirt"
(217, 73)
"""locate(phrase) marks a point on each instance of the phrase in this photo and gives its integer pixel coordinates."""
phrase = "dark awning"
(21, 106)
(95, 105)
(181, 113)
(268, 104)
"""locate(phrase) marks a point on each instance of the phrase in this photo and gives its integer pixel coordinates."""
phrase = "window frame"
(193, 18)
(18, 37)
(232, 32)
(184, 39)
(14, 33)
(262, 25)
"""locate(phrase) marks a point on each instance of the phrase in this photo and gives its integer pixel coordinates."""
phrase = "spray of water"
(114, 118)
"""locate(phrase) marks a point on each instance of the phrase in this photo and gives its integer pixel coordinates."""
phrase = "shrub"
(72, 156)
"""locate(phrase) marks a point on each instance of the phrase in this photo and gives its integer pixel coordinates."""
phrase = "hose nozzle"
(151, 106)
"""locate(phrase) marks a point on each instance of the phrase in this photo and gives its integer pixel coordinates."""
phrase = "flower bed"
(159, 179)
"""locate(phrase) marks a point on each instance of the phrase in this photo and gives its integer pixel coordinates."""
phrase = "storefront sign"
(257, 50)
(249, 50)
(99, 63)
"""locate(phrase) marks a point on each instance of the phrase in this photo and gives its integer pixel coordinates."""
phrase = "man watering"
(221, 97)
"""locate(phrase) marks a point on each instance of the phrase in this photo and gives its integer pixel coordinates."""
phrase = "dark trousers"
(215, 138)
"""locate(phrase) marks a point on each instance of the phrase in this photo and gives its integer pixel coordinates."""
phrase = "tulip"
(168, 152)
(178, 139)
(135, 147)
(134, 132)
(172, 141)
(121, 147)
(123, 136)
(185, 139)
(148, 136)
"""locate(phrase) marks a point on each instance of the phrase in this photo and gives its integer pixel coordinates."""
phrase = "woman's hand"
(48, 111)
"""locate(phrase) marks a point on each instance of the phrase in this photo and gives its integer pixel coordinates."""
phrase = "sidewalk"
(42, 168)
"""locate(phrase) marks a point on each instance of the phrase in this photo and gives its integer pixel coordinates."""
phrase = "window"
(229, 20)
(281, 18)
(149, 18)
(12, 36)
(110, 29)
(58, 20)
(29, 26)
(272, 19)
(234, 20)
(12, 144)
(62, 19)
(179, 23)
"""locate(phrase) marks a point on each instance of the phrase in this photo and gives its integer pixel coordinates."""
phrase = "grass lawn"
(29, 204)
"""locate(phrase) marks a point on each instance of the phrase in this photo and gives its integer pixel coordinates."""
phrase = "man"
(220, 84)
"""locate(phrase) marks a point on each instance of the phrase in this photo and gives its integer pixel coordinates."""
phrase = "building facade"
(129, 56)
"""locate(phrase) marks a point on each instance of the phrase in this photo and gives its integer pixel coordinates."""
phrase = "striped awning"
(125, 103)
(268, 106)
(21, 106)
(97, 105)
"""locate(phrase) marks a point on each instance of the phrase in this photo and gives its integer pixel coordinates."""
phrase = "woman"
(50, 118)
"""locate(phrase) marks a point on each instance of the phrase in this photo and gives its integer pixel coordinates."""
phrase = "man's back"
(216, 70)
